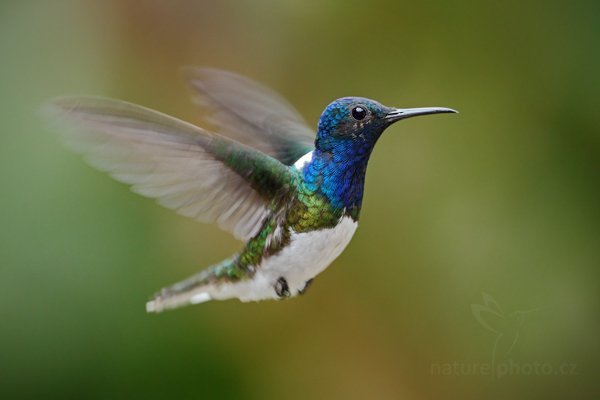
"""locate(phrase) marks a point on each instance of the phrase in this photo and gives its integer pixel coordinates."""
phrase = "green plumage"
(303, 211)
(268, 177)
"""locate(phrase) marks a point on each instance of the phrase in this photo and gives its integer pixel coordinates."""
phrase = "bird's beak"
(396, 114)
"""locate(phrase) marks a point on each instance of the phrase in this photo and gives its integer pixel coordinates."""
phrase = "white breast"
(307, 255)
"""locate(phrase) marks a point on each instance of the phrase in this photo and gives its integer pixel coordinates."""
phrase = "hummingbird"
(293, 197)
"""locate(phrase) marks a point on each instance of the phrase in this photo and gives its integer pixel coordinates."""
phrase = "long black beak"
(396, 114)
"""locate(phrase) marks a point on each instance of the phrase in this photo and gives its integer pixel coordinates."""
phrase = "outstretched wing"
(251, 113)
(201, 175)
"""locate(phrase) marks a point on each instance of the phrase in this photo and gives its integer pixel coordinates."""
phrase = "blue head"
(348, 130)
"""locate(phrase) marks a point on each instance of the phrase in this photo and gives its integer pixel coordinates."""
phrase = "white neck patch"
(302, 161)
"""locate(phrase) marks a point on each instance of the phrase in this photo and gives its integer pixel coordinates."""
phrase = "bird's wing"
(201, 175)
(251, 113)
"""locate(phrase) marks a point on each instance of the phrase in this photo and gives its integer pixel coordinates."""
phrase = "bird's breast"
(308, 254)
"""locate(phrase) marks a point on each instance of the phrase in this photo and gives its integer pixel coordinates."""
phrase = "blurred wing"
(251, 113)
(203, 176)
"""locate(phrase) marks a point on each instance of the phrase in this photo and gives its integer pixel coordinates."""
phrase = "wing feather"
(201, 175)
(251, 113)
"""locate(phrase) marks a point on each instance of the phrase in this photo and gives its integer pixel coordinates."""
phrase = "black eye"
(359, 113)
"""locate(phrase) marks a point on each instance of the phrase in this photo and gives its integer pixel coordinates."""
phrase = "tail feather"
(166, 300)
(189, 291)
(193, 290)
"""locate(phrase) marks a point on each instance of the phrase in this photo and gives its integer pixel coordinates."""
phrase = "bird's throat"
(339, 176)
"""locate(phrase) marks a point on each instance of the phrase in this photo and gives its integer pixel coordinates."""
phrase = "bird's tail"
(193, 290)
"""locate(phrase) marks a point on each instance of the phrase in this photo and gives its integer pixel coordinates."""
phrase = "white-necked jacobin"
(292, 198)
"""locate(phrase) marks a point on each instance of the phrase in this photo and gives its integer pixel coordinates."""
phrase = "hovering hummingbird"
(292, 198)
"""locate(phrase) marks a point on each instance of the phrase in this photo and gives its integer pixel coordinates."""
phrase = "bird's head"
(353, 124)
(348, 130)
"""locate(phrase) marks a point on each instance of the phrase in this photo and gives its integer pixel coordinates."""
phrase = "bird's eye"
(359, 113)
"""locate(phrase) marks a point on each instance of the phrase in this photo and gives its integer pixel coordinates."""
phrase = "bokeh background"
(498, 206)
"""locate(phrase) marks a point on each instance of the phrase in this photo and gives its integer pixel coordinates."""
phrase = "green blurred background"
(502, 200)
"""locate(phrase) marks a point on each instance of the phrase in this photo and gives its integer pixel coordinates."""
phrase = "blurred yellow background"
(495, 209)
